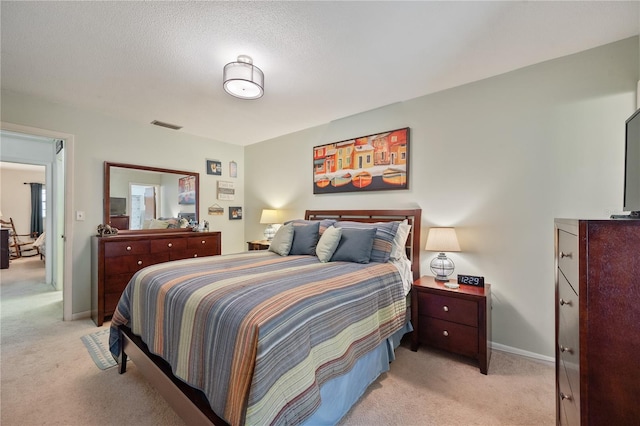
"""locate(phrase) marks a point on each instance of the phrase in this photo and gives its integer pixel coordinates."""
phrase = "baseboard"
(81, 315)
(521, 352)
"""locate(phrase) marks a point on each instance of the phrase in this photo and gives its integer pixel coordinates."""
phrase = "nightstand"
(455, 320)
(258, 245)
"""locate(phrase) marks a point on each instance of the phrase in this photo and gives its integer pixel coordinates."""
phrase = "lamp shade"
(242, 79)
(269, 216)
(442, 239)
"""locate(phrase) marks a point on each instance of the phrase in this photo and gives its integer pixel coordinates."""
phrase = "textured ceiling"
(322, 61)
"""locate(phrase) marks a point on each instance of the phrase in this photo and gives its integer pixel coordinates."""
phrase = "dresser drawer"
(124, 264)
(208, 243)
(568, 320)
(568, 257)
(168, 244)
(450, 336)
(123, 248)
(449, 308)
(569, 406)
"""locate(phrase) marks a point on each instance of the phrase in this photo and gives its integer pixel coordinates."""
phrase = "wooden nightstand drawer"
(449, 308)
(450, 336)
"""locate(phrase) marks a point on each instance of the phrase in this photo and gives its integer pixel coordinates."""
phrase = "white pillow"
(328, 243)
(398, 250)
(281, 243)
(158, 224)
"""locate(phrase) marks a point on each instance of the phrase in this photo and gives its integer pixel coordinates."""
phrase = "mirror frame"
(107, 194)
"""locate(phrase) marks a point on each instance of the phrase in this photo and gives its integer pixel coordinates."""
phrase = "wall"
(15, 198)
(498, 159)
(100, 138)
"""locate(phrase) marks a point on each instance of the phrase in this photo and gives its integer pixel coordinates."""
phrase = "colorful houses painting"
(369, 163)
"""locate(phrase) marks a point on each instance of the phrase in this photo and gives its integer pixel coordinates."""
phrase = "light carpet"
(98, 346)
(47, 378)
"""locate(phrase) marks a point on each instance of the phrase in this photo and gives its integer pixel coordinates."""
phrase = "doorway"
(54, 150)
(144, 204)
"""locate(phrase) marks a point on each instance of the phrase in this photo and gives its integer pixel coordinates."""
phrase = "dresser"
(597, 305)
(454, 320)
(119, 222)
(116, 258)
(4, 248)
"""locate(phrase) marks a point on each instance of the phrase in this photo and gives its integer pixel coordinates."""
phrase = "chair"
(17, 247)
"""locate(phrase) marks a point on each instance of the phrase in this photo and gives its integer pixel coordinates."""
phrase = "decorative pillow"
(398, 248)
(355, 245)
(305, 239)
(324, 223)
(172, 222)
(158, 224)
(328, 243)
(281, 242)
(383, 241)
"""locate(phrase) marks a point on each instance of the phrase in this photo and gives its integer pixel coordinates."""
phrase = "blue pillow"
(355, 245)
(305, 239)
(382, 242)
(324, 223)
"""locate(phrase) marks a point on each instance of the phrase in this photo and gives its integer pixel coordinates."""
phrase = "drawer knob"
(566, 349)
(565, 396)
(128, 248)
(195, 255)
(170, 245)
(445, 333)
(445, 308)
(565, 302)
(139, 262)
(202, 242)
(563, 255)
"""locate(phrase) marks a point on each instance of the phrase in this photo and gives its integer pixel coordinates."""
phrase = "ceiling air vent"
(167, 125)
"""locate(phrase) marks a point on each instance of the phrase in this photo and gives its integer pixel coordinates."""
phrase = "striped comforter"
(259, 333)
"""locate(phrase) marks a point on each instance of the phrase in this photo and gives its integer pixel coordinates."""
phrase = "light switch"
(79, 215)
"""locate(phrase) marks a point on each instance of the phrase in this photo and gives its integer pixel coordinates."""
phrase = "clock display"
(471, 280)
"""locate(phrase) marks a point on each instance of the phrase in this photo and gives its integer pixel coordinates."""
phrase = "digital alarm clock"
(471, 280)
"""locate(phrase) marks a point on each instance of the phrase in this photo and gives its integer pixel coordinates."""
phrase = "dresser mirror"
(149, 199)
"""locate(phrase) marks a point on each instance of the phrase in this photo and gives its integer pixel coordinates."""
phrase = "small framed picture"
(214, 167)
(235, 213)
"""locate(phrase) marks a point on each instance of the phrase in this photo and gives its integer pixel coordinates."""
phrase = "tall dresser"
(597, 321)
(116, 258)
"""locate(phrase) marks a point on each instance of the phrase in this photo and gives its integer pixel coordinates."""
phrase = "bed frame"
(191, 404)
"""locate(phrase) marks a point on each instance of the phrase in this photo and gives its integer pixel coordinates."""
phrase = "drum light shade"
(269, 217)
(242, 79)
(442, 240)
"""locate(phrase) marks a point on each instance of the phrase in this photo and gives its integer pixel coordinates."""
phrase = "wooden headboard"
(413, 216)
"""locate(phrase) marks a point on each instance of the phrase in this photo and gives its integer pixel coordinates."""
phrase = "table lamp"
(269, 217)
(442, 240)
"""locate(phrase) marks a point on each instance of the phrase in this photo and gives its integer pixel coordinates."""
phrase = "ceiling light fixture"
(242, 79)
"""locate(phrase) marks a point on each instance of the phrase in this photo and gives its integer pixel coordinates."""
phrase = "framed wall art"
(187, 190)
(375, 162)
(214, 167)
(215, 210)
(235, 213)
(226, 190)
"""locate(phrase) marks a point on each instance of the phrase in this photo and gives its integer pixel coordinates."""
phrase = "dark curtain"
(36, 209)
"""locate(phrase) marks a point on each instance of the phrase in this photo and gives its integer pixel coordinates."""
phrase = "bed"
(266, 337)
